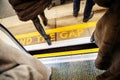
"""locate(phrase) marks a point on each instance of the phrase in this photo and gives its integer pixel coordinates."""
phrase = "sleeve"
(15, 63)
(104, 3)
(21, 72)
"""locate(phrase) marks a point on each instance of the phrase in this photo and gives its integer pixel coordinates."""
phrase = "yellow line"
(78, 26)
(32, 34)
(61, 29)
(66, 53)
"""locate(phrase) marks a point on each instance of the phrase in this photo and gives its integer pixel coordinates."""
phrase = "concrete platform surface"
(58, 17)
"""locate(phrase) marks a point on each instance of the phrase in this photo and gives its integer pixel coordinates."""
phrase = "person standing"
(107, 38)
(30, 10)
(88, 14)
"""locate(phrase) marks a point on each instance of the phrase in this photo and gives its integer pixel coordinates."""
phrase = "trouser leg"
(76, 6)
(40, 29)
(44, 19)
(88, 8)
(113, 73)
(115, 67)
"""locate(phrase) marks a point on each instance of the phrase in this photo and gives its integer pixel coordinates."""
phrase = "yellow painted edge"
(72, 27)
(60, 29)
(66, 53)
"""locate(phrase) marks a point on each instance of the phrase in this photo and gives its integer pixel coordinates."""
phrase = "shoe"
(75, 14)
(104, 75)
(50, 6)
(87, 18)
(45, 22)
(92, 39)
(51, 73)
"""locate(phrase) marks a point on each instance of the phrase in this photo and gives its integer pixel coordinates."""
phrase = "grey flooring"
(79, 70)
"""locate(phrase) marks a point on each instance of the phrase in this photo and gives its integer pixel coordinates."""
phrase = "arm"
(107, 46)
(104, 3)
(21, 72)
(14, 63)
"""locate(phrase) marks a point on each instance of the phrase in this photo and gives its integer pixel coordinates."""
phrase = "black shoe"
(75, 14)
(50, 6)
(92, 39)
(51, 74)
(87, 18)
(45, 22)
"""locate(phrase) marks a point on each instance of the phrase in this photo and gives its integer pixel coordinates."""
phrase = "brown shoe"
(116, 76)
(103, 63)
(104, 76)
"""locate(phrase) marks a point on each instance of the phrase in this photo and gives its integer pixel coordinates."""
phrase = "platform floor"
(58, 17)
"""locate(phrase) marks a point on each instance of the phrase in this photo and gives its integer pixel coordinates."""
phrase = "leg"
(114, 69)
(76, 7)
(44, 19)
(62, 1)
(87, 10)
(51, 5)
(41, 30)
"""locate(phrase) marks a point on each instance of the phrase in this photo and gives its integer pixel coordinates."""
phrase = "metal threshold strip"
(66, 53)
(69, 58)
(62, 47)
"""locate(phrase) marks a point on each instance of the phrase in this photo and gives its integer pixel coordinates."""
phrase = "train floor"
(74, 67)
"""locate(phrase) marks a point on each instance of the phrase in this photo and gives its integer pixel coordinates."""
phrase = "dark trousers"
(88, 7)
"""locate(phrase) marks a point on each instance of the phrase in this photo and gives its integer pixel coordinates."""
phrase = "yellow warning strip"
(78, 26)
(66, 53)
(60, 29)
